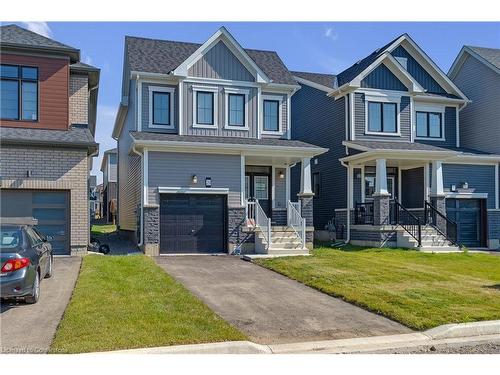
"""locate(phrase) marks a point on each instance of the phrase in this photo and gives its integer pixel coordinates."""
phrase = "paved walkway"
(271, 308)
(31, 328)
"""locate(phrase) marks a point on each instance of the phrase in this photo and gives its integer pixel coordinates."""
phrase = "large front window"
(271, 115)
(429, 125)
(205, 108)
(18, 93)
(382, 117)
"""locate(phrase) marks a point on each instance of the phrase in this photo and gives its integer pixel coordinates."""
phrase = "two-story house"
(47, 125)
(109, 182)
(476, 71)
(204, 149)
(396, 173)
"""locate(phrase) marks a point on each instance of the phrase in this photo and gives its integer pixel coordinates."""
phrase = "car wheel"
(36, 291)
(50, 271)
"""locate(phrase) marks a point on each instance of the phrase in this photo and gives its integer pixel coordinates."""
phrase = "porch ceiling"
(276, 160)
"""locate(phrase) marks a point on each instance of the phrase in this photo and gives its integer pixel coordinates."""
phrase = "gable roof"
(488, 56)
(164, 56)
(323, 79)
(17, 37)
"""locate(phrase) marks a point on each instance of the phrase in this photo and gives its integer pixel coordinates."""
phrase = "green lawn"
(102, 229)
(420, 290)
(124, 302)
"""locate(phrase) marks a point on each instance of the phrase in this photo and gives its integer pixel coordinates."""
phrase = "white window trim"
(171, 91)
(278, 98)
(215, 90)
(384, 99)
(430, 108)
(246, 94)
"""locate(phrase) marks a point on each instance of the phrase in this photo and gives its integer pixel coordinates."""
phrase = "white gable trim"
(460, 59)
(312, 84)
(223, 35)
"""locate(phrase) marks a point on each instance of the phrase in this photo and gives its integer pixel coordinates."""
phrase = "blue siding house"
(397, 172)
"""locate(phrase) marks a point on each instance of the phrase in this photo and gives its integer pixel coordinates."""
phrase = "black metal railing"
(409, 222)
(363, 213)
(432, 215)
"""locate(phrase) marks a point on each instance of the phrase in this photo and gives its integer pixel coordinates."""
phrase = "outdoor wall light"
(282, 175)
(465, 185)
(194, 179)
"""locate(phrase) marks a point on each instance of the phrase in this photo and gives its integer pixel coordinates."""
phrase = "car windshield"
(10, 237)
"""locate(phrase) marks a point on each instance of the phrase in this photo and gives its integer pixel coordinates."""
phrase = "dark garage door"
(192, 223)
(51, 208)
(467, 214)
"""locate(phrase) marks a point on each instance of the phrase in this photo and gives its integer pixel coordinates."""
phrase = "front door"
(258, 187)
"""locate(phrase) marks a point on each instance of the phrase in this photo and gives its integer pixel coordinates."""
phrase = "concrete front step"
(284, 252)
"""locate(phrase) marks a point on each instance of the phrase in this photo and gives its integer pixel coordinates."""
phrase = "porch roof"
(238, 145)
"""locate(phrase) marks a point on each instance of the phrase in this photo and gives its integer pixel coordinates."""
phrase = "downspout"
(348, 236)
(141, 239)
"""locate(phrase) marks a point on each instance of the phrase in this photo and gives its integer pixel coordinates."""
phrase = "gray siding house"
(109, 167)
(397, 172)
(205, 150)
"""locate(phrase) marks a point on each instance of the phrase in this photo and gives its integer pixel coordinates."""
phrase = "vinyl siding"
(382, 78)
(320, 120)
(412, 188)
(145, 109)
(280, 197)
(450, 130)
(176, 170)
(418, 72)
(129, 171)
(479, 177)
(221, 118)
(480, 120)
(112, 168)
(220, 63)
(360, 120)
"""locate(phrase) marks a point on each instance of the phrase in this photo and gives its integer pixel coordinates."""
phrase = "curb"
(445, 334)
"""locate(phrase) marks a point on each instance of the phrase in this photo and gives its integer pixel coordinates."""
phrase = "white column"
(381, 178)
(305, 176)
(437, 178)
(363, 184)
(426, 181)
(242, 180)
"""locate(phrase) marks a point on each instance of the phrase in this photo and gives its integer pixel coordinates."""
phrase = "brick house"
(47, 126)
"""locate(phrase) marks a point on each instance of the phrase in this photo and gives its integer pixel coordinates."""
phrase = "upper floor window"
(236, 103)
(429, 125)
(161, 107)
(271, 115)
(205, 108)
(18, 93)
(382, 117)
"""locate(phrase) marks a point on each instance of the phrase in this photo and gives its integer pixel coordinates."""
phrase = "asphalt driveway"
(31, 328)
(271, 308)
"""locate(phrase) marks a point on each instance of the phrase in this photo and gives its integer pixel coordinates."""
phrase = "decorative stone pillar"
(306, 207)
(381, 209)
(438, 199)
(151, 236)
(440, 203)
(236, 235)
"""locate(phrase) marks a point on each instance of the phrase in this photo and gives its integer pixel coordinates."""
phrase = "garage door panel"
(467, 214)
(192, 223)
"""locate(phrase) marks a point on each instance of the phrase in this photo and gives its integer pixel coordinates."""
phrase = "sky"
(325, 47)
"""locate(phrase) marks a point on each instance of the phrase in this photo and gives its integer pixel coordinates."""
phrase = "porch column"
(381, 196)
(438, 199)
(306, 194)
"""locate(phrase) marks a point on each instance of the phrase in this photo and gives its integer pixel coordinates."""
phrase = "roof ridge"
(302, 71)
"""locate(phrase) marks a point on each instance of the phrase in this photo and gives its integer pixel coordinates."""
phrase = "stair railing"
(296, 222)
(431, 214)
(263, 222)
(408, 221)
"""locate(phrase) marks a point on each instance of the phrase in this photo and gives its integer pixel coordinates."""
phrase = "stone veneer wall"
(53, 169)
(494, 229)
(151, 245)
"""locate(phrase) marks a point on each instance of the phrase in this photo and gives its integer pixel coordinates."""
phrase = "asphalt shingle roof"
(146, 136)
(324, 79)
(163, 56)
(75, 137)
(15, 35)
(492, 55)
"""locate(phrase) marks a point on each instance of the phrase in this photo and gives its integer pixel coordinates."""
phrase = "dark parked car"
(25, 258)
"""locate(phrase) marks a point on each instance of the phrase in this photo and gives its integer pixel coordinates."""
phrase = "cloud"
(87, 60)
(41, 28)
(331, 34)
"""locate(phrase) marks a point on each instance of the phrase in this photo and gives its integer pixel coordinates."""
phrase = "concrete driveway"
(31, 328)
(271, 308)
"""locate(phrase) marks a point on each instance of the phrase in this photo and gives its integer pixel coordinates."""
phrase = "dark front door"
(192, 223)
(258, 187)
(467, 213)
